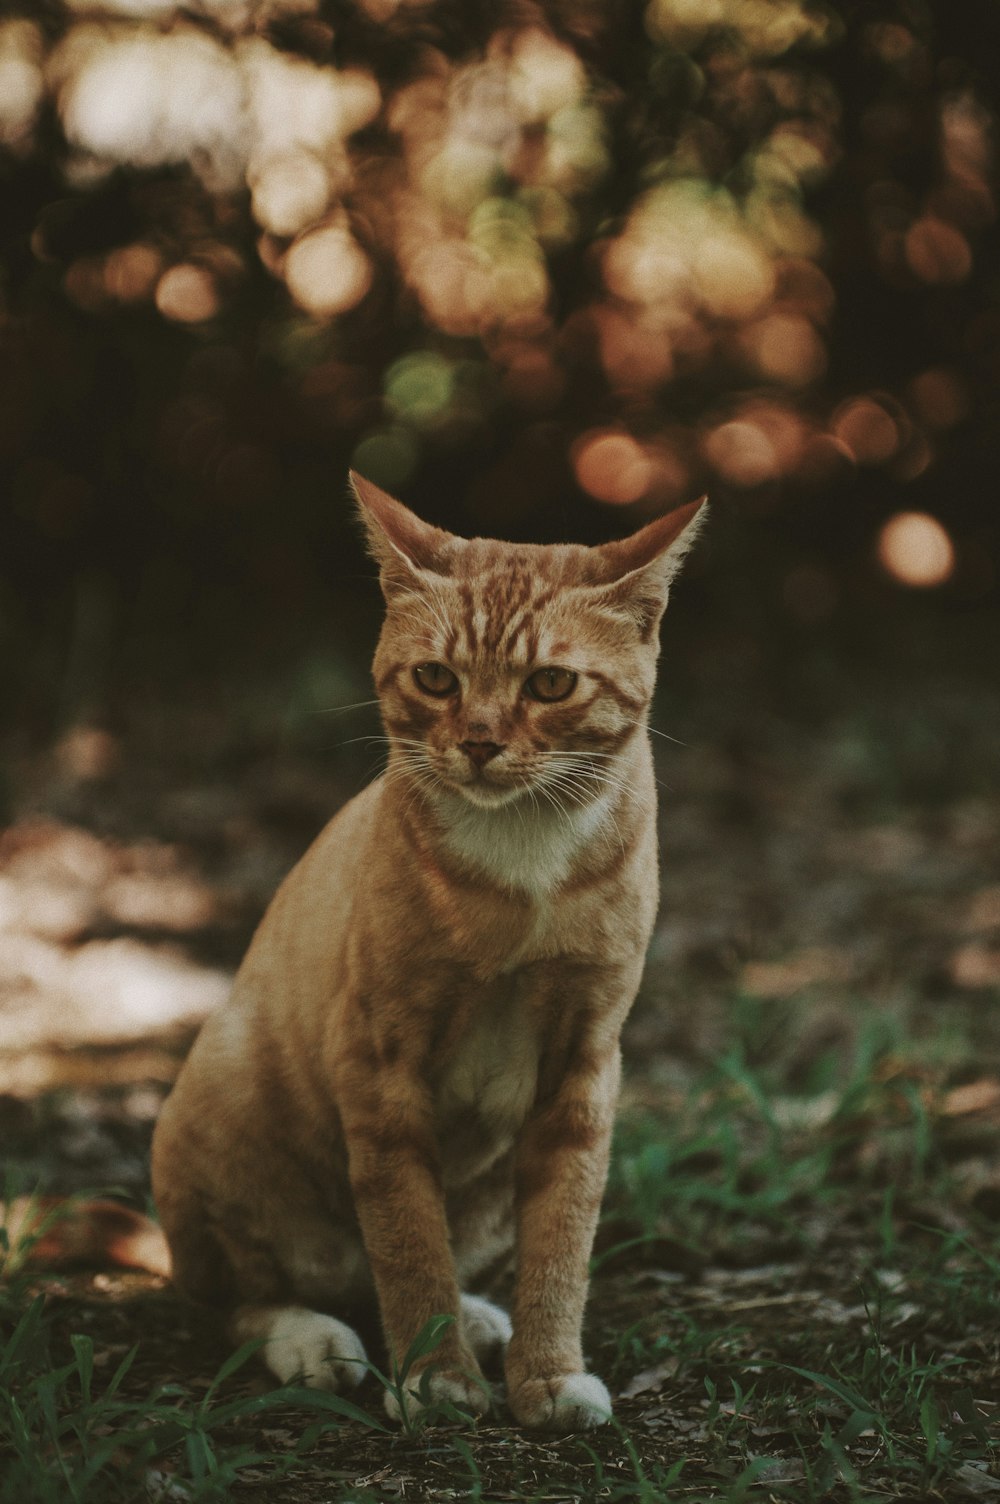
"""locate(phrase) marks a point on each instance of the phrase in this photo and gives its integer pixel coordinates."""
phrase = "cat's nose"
(480, 752)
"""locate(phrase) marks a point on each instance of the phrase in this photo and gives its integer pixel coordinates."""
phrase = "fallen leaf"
(977, 1480)
(975, 966)
(975, 1096)
(651, 1379)
(802, 969)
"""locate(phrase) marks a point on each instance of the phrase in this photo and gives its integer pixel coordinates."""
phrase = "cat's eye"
(551, 684)
(435, 679)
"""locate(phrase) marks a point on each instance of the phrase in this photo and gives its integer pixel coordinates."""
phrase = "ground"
(795, 1282)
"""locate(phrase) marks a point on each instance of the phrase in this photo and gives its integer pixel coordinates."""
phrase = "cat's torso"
(482, 1010)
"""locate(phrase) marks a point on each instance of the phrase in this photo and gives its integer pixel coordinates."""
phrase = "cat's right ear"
(402, 544)
(638, 570)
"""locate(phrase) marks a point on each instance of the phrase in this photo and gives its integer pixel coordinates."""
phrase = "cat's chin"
(487, 795)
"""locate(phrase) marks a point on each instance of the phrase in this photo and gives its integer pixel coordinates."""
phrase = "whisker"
(569, 788)
(601, 777)
(569, 791)
(343, 709)
(655, 731)
(352, 741)
(562, 780)
(562, 753)
(412, 771)
(551, 799)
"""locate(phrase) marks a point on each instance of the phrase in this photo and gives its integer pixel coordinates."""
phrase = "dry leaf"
(975, 1096)
(651, 1379)
(975, 966)
(804, 968)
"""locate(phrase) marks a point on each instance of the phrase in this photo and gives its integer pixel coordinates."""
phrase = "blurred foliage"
(543, 268)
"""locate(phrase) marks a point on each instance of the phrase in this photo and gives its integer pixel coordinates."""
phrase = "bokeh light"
(867, 430)
(545, 76)
(290, 191)
(916, 549)
(132, 272)
(489, 176)
(499, 234)
(612, 467)
(389, 457)
(188, 294)
(743, 452)
(327, 271)
(786, 348)
(732, 274)
(147, 99)
(937, 251)
(765, 28)
(420, 387)
(22, 82)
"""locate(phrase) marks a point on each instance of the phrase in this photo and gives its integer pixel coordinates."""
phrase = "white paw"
(319, 1350)
(566, 1402)
(423, 1391)
(485, 1327)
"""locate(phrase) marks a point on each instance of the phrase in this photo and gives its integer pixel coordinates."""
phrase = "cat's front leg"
(400, 1205)
(561, 1169)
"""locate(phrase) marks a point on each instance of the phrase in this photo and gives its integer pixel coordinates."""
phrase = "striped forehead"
(500, 616)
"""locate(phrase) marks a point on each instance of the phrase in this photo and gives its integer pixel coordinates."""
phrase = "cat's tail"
(53, 1232)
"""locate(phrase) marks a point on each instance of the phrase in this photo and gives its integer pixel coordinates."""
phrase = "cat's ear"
(637, 571)
(403, 545)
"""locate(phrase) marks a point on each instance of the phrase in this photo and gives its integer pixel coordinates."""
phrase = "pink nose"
(480, 753)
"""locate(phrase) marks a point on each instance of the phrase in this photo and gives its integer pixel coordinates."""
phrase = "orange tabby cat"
(418, 1069)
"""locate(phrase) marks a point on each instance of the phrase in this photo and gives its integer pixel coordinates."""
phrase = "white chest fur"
(520, 846)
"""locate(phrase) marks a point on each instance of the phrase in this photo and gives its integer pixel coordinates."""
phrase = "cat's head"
(506, 669)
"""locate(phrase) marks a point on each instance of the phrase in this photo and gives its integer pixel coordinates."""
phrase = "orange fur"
(418, 1068)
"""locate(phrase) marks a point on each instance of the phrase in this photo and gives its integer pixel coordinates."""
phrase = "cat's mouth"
(487, 787)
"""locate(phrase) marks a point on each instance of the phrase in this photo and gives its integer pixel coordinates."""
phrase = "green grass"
(791, 1265)
(881, 1377)
(746, 1141)
(68, 1436)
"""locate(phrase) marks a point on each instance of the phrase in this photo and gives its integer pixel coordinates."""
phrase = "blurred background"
(543, 270)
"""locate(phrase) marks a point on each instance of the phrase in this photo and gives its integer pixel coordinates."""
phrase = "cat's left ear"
(637, 571)
(403, 545)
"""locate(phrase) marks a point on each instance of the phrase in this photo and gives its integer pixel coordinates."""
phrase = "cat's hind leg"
(316, 1349)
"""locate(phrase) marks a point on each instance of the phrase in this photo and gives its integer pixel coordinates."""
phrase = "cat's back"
(291, 969)
(289, 982)
(312, 907)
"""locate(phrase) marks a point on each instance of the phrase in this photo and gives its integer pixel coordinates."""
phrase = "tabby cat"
(417, 1072)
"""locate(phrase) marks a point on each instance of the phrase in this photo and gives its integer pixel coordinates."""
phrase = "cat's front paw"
(421, 1393)
(564, 1402)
